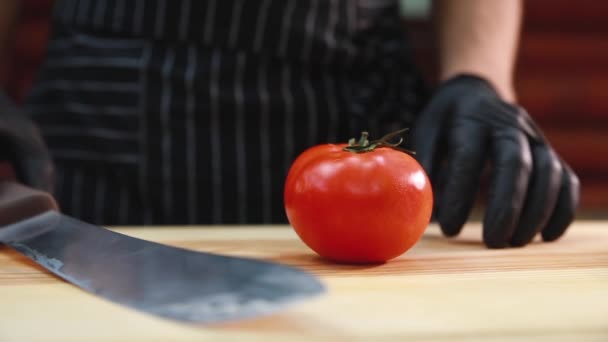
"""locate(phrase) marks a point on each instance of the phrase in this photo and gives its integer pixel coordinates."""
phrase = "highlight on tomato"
(361, 202)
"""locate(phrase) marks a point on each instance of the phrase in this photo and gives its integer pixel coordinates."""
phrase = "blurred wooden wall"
(562, 80)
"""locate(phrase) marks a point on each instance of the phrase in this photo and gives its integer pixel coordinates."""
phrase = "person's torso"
(164, 86)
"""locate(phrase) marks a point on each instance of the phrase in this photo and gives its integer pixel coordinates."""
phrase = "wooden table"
(440, 290)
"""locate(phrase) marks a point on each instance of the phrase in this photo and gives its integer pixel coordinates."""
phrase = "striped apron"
(190, 112)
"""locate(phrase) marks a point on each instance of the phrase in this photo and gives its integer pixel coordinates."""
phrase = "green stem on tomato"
(364, 145)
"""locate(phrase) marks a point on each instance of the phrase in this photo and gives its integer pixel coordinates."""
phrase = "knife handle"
(18, 202)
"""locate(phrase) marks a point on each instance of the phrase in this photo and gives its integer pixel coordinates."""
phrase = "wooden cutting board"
(440, 290)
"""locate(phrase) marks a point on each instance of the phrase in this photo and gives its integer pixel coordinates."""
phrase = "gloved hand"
(531, 189)
(23, 147)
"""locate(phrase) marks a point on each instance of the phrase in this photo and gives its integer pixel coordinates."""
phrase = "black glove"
(22, 146)
(531, 189)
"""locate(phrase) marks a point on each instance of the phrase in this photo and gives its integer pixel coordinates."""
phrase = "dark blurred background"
(562, 76)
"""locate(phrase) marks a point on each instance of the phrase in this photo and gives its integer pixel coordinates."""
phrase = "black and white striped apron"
(188, 111)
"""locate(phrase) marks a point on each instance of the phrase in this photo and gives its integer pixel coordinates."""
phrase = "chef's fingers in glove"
(551, 195)
(465, 160)
(22, 145)
(429, 135)
(511, 169)
(542, 195)
(565, 209)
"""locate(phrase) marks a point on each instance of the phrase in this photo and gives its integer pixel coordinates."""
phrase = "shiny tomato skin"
(357, 207)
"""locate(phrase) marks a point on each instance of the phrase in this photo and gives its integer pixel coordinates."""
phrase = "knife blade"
(157, 279)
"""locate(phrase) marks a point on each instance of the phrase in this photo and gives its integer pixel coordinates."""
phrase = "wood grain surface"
(442, 289)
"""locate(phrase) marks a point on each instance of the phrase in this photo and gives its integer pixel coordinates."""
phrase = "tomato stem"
(364, 145)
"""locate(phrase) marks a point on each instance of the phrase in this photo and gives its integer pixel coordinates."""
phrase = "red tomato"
(366, 207)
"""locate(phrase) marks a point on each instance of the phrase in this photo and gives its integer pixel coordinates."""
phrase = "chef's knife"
(157, 279)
